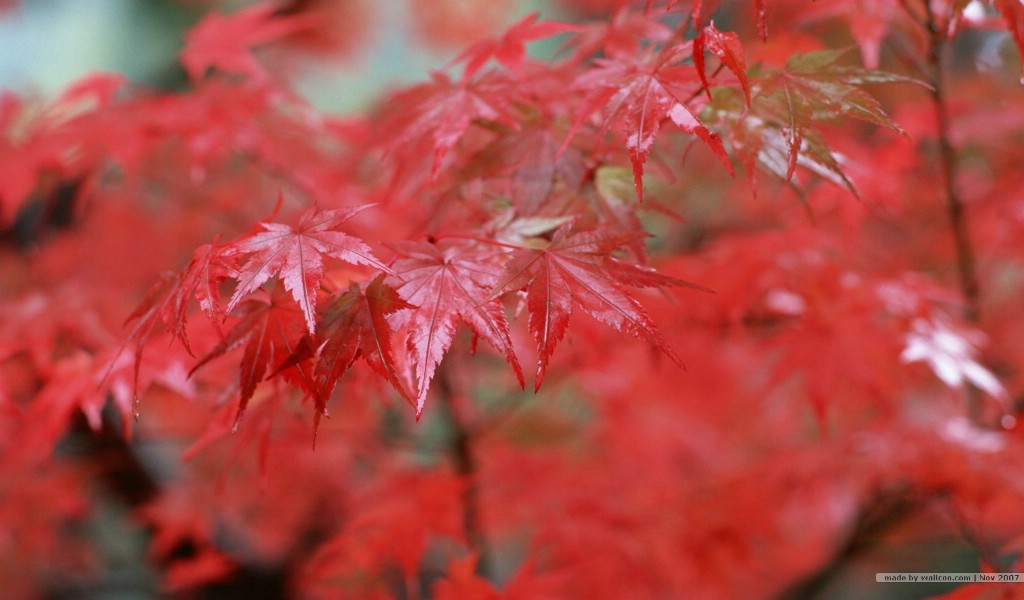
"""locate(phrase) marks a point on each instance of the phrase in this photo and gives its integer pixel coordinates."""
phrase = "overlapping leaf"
(623, 34)
(577, 270)
(441, 112)
(225, 42)
(295, 255)
(815, 87)
(510, 48)
(354, 323)
(728, 48)
(701, 11)
(637, 97)
(449, 285)
(167, 303)
(270, 327)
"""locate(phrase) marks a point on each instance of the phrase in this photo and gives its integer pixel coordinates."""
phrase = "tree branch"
(884, 514)
(947, 163)
(461, 449)
(965, 261)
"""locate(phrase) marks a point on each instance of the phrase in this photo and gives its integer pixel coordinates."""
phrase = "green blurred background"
(375, 45)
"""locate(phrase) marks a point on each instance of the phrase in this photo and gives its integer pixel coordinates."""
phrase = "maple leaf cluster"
(749, 304)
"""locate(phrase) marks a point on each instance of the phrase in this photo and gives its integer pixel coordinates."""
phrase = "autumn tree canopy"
(706, 300)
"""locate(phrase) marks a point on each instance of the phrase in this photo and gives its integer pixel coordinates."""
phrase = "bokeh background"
(367, 47)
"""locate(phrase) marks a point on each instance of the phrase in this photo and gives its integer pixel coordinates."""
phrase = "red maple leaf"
(441, 113)
(728, 48)
(622, 34)
(700, 11)
(870, 21)
(814, 87)
(449, 285)
(270, 327)
(354, 323)
(578, 270)
(295, 255)
(167, 303)
(224, 42)
(510, 48)
(638, 96)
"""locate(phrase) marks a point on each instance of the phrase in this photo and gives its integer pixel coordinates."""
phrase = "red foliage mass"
(847, 308)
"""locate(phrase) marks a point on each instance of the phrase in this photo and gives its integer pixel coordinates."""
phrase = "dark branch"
(465, 465)
(965, 261)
